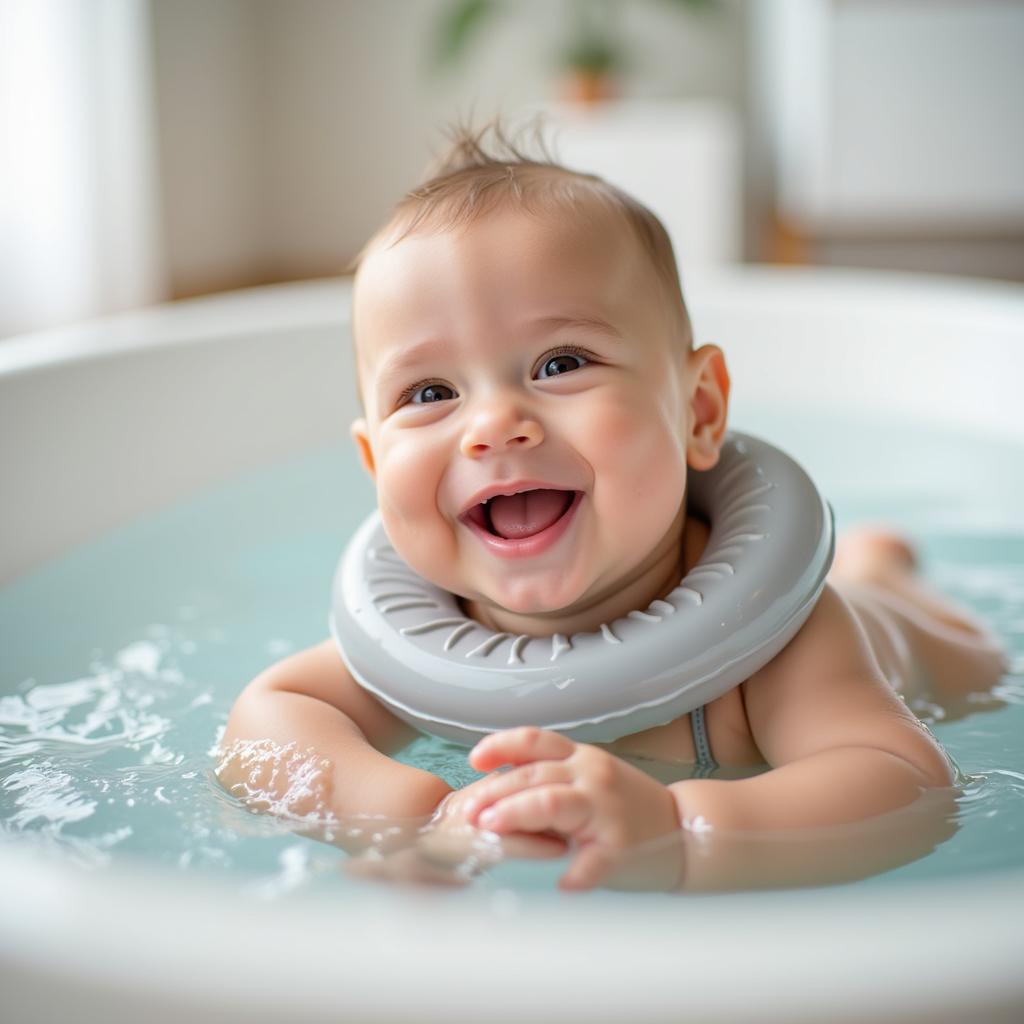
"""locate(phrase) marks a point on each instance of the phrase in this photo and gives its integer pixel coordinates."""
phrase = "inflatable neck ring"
(770, 547)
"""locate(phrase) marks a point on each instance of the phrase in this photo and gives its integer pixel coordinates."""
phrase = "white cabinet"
(680, 158)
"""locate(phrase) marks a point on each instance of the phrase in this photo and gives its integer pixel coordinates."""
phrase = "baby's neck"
(652, 579)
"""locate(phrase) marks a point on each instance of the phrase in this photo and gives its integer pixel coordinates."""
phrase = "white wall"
(212, 131)
(289, 128)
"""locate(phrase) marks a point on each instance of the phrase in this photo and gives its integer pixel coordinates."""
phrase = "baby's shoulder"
(830, 642)
(828, 665)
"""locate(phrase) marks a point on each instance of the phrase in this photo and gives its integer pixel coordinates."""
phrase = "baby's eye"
(564, 362)
(432, 393)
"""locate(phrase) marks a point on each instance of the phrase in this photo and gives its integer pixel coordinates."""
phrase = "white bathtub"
(106, 421)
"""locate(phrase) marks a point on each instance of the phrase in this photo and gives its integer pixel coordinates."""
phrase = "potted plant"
(592, 53)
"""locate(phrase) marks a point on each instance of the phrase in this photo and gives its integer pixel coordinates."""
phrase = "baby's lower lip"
(535, 544)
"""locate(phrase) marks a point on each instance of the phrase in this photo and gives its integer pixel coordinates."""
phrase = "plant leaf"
(692, 5)
(459, 23)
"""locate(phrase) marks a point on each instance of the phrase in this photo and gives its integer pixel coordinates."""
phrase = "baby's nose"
(499, 428)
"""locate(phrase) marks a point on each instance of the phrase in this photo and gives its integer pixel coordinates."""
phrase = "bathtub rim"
(806, 953)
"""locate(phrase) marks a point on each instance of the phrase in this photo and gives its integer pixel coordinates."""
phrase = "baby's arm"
(843, 748)
(311, 701)
(842, 745)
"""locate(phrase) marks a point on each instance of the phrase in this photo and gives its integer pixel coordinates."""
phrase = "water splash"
(280, 780)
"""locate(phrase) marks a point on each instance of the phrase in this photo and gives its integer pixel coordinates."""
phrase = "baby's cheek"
(639, 479)
(405, 471)
(643, 453)
(407, 484)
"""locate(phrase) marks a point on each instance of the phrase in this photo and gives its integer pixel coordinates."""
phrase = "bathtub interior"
(106, 423)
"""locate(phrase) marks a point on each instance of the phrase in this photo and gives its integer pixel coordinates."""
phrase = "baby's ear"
(708, 381)
(361, 436)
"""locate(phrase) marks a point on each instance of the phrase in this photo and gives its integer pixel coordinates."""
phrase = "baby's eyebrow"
(587, 323)
(409, 356)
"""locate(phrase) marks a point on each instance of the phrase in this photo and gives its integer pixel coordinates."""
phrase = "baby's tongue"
(514, 516)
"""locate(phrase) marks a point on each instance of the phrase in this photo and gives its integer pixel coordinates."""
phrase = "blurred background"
(163, 149)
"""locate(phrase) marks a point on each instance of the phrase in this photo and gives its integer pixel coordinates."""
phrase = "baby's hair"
(485, 169)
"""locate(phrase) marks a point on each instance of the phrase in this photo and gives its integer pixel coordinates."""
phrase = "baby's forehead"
(506, 265)
(584, 220)
(549, 250)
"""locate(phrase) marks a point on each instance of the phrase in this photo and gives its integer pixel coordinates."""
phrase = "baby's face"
(528, 408)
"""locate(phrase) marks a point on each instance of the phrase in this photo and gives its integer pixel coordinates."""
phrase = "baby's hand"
(582, 793)
(451, 828)
(449, 850)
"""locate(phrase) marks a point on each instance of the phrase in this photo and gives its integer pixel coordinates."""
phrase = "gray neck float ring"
(770, 547)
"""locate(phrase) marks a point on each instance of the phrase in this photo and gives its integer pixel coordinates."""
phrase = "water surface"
(121, 659)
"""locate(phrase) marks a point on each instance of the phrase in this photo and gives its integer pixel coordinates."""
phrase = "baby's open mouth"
(515, 516)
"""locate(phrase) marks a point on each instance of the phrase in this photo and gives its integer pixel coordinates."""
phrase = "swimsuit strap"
(706, 763)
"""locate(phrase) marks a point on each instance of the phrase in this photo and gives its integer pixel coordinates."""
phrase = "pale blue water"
(121, 659)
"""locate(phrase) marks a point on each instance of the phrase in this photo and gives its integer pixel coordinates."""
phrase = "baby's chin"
(548, 597)
(529, 601)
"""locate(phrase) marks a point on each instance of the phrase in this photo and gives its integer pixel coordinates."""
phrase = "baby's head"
(520, 330)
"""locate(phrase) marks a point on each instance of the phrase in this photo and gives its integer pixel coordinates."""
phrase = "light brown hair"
(485, 169)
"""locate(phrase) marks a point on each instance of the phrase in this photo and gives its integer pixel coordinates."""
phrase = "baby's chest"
(732, 742)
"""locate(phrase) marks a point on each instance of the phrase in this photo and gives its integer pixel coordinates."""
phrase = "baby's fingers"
(558, 808)
(502, 785)
(519, 746)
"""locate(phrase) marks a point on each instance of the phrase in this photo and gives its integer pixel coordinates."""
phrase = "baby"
(521, 325)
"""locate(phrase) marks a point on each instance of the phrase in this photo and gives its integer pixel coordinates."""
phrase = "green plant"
(592, 39)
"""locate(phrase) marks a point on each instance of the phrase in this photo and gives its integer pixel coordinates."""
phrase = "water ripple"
(111, 758)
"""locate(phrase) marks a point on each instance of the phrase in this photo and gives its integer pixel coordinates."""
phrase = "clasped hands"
(555, 796)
